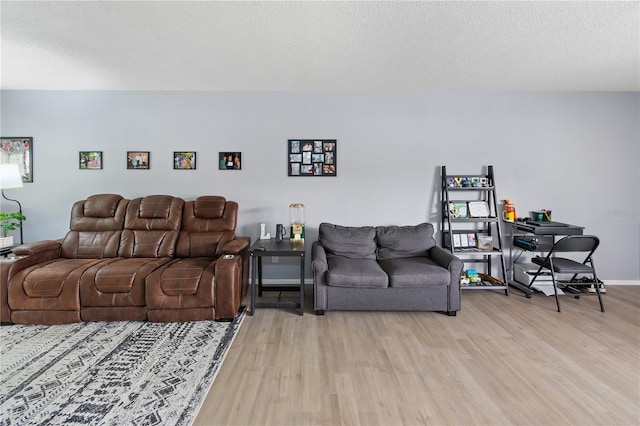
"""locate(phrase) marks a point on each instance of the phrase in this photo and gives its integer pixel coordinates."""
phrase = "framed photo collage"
(312, 157)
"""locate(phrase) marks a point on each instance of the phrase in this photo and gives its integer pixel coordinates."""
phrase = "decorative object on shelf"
(10, 178)
(19, 151)
(296, 220)
(184, 160)
(467, 182)
(138, 160)
(229, 161)
(90, 160)
(478, 209)
(312, 157)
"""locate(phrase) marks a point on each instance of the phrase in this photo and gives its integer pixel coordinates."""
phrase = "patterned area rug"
(110, 373)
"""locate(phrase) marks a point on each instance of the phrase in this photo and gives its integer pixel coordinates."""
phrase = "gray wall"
(574, 153)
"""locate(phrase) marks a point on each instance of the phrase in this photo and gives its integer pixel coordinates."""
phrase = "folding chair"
(563, 265)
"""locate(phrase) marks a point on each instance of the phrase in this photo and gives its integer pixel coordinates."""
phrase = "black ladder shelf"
(471, 226)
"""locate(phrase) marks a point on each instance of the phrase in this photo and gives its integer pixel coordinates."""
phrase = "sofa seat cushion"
(48, 280)
(345, 272)
(404, 241)
(184, 276)
(345, 241)
(415, 272)
(182, 284)
(117, 282)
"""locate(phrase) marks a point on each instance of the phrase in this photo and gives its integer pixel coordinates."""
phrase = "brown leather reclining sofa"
(155, 258)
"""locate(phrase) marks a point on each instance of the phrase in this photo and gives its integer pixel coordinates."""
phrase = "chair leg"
(597, 284)
(555, 288)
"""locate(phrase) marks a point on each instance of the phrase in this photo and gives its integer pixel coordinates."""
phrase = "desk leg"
(260, 276)
(254, 264)
(302, 285)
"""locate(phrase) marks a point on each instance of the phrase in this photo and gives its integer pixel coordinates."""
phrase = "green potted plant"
(9, 222)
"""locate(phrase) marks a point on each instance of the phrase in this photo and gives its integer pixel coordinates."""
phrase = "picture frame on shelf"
(18, 150)
(312, 157)
(478, 209)
(485, 242)
(230, 160)
(471, 238)
(184, 160)
(90, 160)
(138, 160)
(458, 210)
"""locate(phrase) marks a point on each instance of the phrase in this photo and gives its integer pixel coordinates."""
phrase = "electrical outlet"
(274, 259)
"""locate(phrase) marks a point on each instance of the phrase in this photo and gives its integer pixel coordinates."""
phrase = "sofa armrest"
(26, 255)
(318, 257)
(447, 260)
(235, 246)
(47, 247)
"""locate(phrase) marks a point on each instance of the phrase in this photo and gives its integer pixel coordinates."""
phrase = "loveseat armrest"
(447, 260)
(235, 246)
(318, 257)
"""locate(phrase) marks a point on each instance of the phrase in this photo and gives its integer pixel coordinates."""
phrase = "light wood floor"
(501, 361)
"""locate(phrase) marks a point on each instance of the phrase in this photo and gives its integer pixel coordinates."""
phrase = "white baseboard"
(621, 282)
(285, 281)
(294, 281)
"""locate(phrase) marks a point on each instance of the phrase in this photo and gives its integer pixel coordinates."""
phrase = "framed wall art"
(18, 150)
(312, 157)
(230, 161)
(184, 160)
(90, 160)
(138, 160)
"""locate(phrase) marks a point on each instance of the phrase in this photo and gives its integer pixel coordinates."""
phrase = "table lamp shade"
(10, 176)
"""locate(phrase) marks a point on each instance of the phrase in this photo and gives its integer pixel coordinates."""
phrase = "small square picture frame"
(184, 160)
(90, 160)
(230, 160)
(138, 160)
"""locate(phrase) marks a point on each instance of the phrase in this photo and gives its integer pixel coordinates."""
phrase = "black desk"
(548, 228)
(547, 232)
(269, 248)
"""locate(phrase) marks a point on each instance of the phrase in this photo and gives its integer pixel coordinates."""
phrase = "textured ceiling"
(304, 45)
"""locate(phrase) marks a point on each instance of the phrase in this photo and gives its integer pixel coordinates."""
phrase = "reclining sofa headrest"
(151, 226)
(208, 223)
(209, 207)
(100, 212)
(95, 227)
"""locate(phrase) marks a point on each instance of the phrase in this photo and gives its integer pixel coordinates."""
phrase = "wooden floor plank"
(502, 360)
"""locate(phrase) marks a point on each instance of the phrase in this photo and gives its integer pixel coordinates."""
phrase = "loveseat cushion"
(345, 272)
(351, 242)
(415, 272)
(396, 242)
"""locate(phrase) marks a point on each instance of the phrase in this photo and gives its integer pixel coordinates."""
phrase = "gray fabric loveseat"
(385, 268)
